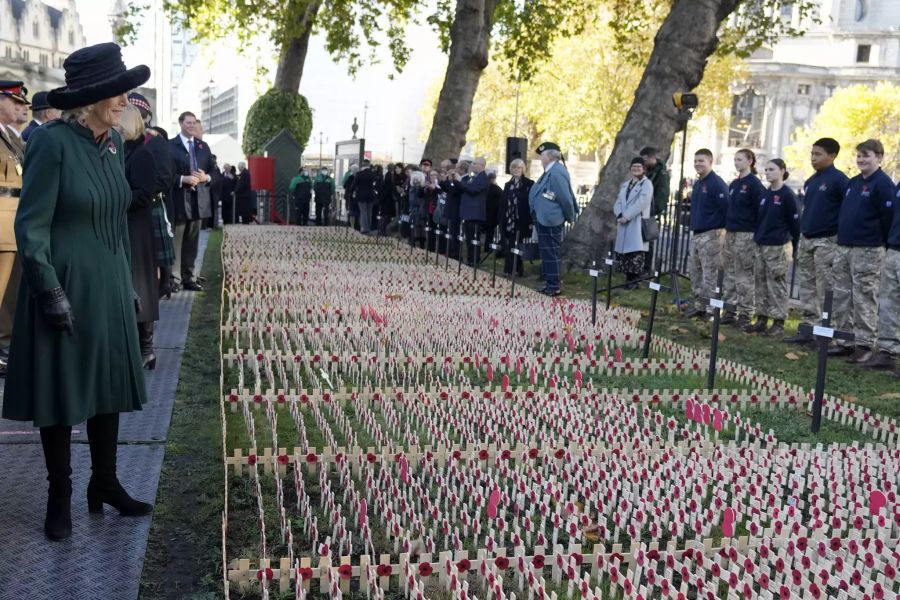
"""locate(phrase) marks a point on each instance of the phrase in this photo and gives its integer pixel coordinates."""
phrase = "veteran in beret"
(552, 204)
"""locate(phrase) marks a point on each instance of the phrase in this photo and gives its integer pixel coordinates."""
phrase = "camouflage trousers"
(704, 262)
(889, 304)
(739, 256)
(771, 281)
(814, 260)
(857, 277)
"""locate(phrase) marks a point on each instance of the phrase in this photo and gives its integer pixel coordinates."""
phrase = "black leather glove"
(57, 310)
(138, 306)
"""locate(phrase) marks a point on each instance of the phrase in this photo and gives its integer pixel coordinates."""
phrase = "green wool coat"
(72, 232)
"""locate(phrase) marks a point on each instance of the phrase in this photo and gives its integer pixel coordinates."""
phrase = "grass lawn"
(184, 552)
(875, 390)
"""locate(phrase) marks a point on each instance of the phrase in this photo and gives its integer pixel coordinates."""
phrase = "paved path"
(105, 555)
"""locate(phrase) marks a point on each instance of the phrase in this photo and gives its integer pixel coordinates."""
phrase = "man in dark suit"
(41, 112)
(366, 190)
(473, 205)
(243, 195)
(190, 196)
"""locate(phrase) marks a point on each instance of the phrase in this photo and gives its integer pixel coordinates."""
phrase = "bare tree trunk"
(293, 50)
(470, 37)
(681, 48)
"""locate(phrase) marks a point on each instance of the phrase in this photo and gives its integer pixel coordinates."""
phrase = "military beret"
(546, 146)
(14, 89)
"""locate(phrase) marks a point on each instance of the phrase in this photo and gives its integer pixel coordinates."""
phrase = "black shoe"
(758, 327)
(104, 487)
(776, 330)
(800, 338)
(860, 355)
(550, 293)
(191, 286)
(881, 360)
(56, 441)
(728, 319)
(695, 313)
(840, 351)
(200, 279)
(742, 322)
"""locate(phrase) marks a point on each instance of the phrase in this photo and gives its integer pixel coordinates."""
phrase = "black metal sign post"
(655, 287)
(595, 274)
(609, 270)
(517, 255)
(495, 248)
(462, 246)
(718, 305)
(475, 243)
(437, 245)
(427, 241)
(447, 255)
(380, 234)
(823, 333)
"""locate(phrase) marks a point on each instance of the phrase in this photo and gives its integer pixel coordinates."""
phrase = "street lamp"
(403, 154)
(321, 141)
(209, 92)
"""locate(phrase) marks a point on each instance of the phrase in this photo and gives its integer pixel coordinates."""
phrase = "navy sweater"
(867, 211)
(823, 194)
(744, 195)
(709, 203)
(779, 221)
(894, 234)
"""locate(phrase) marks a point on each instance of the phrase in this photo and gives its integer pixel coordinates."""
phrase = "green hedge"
(273, 111)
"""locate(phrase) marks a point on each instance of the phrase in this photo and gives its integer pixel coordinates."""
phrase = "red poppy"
(501, 563)
(370, 457)
(425, 569)
(384, 570)
(267, 573)
(560, 453)
(283, 459)
(538, 561)
(464, 565)
(505, 455)
(345, 571)
(312, 458)
(533, 453)
(251, 460)
(482, 455)
(305, 573)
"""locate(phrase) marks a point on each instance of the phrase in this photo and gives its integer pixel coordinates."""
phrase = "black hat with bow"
(96, 73)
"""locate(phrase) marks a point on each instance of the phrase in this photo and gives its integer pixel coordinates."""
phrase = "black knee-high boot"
(145, 336)
(56, 441)
(104, 487)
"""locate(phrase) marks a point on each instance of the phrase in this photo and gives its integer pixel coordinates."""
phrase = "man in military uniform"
(12, 153)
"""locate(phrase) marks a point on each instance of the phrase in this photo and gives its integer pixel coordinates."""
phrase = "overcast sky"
(334, 96)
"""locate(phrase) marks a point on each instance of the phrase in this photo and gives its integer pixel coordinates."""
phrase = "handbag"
(649, 229)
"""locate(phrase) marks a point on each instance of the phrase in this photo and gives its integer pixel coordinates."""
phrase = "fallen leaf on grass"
(792, 356)
(891, 396)
(722, 337)
(850, 399)
(677, 329)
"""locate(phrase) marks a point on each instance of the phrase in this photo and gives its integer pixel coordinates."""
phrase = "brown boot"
(860, 355)
(777, 328)
(881, 360)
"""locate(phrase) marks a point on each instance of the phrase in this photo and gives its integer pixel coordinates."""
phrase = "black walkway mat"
(105, 555)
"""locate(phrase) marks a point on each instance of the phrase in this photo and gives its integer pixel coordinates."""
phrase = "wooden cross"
(823, 333)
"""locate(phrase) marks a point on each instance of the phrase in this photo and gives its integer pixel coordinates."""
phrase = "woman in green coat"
(75, 354)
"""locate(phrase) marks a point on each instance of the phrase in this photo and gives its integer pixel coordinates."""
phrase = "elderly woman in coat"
(632, 205)
(75, 355)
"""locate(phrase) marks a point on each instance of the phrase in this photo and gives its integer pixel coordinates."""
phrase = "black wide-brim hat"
(96, 73)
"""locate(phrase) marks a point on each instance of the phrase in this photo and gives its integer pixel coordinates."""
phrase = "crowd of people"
(844, 233)
(100, 218)
(459, 210)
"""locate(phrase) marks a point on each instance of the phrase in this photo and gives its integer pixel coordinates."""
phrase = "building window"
(9, 52)
(26, 56)
(71, 38)
(803, 89)
(35, 29)
(747, 111)
(43, 60)
(863, 52)
(787, 11)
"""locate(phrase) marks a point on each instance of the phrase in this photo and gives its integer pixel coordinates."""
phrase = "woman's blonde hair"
(132, 125)
(76, 114)
(518, 162)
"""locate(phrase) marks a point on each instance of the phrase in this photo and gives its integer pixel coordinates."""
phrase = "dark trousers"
(509, 244)
(473, 239)
(302, 213)
(187, 241)
(549, 241)
(454, 239)
(322, 210)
